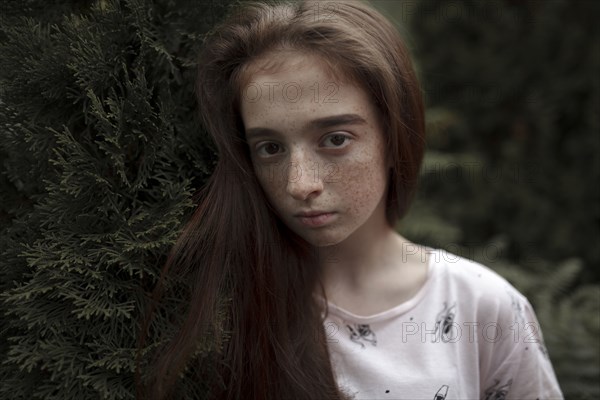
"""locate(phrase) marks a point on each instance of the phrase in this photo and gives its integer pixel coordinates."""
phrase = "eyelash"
(348, 138)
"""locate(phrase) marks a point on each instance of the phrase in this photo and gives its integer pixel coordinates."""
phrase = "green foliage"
(520, 81)
(101, 156)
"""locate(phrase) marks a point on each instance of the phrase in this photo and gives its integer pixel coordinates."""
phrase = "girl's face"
(317, 146)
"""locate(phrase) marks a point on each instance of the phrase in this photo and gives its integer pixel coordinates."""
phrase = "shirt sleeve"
(520, 367)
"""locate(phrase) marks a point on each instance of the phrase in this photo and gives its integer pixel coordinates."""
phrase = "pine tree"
(102, 154)
(521, 81)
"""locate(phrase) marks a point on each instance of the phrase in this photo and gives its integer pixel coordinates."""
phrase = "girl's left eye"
(338, 140)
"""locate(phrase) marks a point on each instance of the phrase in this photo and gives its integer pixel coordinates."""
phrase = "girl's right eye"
(270, 149)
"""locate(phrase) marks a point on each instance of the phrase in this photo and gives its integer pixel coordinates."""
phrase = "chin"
(324, 240)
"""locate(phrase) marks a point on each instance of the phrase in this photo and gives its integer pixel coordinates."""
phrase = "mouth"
(314, 213)
(315, 219)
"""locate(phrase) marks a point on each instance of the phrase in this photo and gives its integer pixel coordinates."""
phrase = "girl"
(318, 119)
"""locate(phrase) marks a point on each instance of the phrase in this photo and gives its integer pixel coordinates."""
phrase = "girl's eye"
(338, 140)
(270, 148)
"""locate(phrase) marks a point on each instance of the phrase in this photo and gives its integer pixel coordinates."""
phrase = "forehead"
(292, 87)
(283, 60)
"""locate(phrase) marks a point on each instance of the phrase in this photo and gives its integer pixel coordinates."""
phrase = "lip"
(312, 213)
(314, 219)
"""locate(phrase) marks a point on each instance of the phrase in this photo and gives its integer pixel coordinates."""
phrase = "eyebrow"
(319, 123)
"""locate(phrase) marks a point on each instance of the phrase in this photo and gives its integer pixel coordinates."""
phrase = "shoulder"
(467, 271)
(476, 284)
(462, 271)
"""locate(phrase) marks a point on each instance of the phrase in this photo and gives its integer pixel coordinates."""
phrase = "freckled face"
(303, 166)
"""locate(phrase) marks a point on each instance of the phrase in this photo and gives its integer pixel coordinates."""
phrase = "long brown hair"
(235, 248)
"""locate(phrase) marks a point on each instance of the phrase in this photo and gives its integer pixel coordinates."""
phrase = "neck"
(369, 278)
(360, 260)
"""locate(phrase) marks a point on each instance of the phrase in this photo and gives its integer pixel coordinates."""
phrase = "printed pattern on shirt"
(360, 333)
(497, 391)
(441, 393)
(444, 321)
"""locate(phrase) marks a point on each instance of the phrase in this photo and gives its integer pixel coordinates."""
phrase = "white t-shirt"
(467, 334)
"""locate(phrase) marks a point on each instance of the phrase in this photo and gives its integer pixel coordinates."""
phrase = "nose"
(303, 178)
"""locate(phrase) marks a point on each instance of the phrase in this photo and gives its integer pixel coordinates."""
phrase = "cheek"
(366, 190)
(363, 183)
